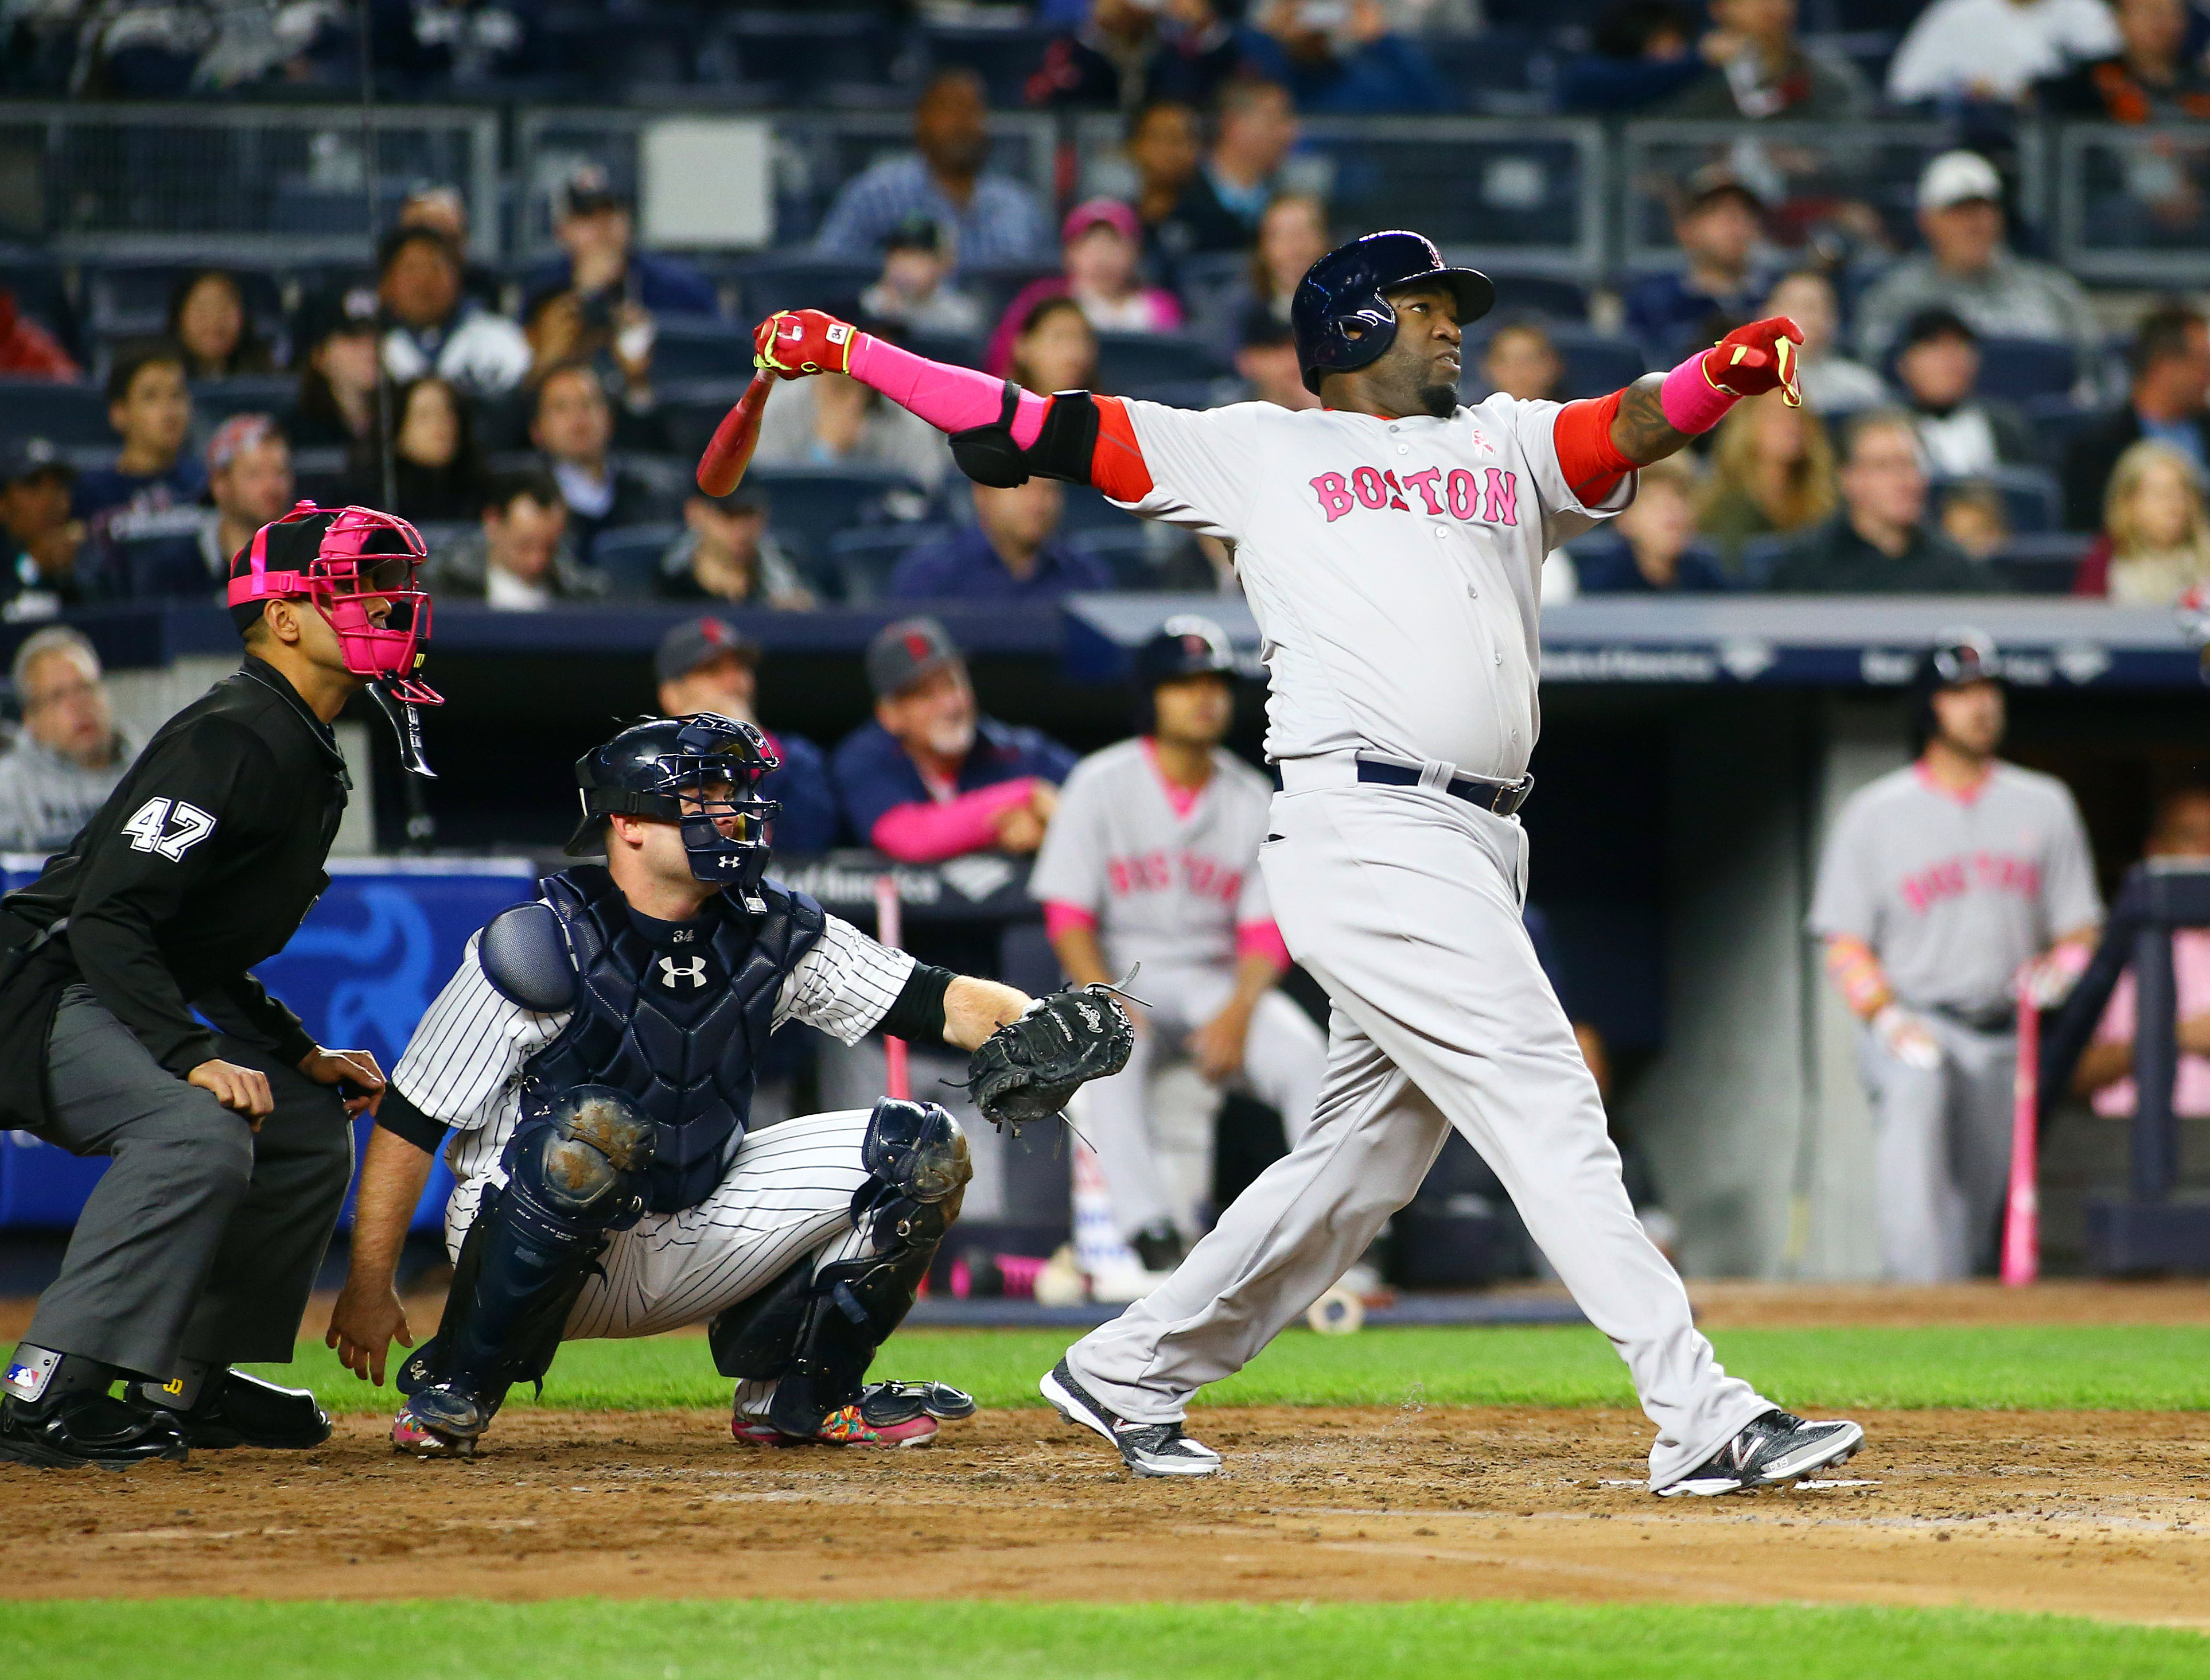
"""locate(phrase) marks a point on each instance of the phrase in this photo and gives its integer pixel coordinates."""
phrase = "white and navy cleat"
(1772, 1447)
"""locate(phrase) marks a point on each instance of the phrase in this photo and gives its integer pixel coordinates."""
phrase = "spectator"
(208, 319)
(438, 471)
(1717, 228)
(1995, 49)
(994, 218)
(1520, 362)
(564, 330)
(2169, 400)
(1255, 128)
(2104, 1073)
(250, 483)
(1974, 518)
(40, 538)
(705, 665)
(1340, 57)
(836, 421)
(2150, 79)
(427, 45)
(596, 233)
(1967, 267)
(1267, 361)
(1761, 69)
(1182, 215)
(1054, 349)
(1658, 553)
(70, 755)
(1101, 247)
(1642, 51)
(433, 328)
(1937, 363)
(1126, 51)
(573, 428)
(28, 350)
(1292, 236)
(336, 356)
(914, 290)
(1772, 473)
(930, 777)
(1011, 552)
(1830, 383)
(727, 554)
(441, 209)
(1880, 543)
(518, 558)
(2155, 543)
(149, 405)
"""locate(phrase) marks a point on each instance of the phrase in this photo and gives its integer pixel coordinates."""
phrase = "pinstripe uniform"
(788, 1191)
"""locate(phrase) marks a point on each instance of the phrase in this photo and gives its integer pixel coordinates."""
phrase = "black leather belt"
(1502, 797)
(1996, 1019)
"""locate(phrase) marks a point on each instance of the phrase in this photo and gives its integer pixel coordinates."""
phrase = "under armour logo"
(671, 971)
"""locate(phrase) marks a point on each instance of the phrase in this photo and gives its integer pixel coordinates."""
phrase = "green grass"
(964, 1640)
(2094, 1368)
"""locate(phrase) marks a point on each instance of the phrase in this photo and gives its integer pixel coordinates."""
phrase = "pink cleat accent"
(842, 1428)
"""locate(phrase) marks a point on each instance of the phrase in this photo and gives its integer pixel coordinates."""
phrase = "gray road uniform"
(1953, 894)
(1173, 891)
(1392, 567)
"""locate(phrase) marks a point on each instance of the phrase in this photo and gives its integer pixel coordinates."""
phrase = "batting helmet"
(1959, 656)
(1341, 313)
(1186, 646)
(699, 771)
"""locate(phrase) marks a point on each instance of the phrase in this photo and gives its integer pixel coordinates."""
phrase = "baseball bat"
(2021, 1240)
(729, 451)
(897, 1082)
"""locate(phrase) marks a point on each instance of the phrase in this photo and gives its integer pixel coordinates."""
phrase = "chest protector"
(684, 1051)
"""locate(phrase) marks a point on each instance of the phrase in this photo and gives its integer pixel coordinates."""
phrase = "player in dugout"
(230, 1145)
(1390, 544)
(589, 1073)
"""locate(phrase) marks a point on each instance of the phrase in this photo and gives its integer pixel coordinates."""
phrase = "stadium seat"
(66, 415)
(214, 401)
(2019, 369)
(799, 280)
(2057, 422)
(1596, 363)
(1128, 551)
(628, 559)
(859, 562)
(808, 507)
(813, 58)
(1129, 359)
(696, 346)
(2032, 501)
(1544, 295)
(41, 294)
(1087, 509)
(1759, 555)
(131, 300)
(960, 349)
(2042, 562)
(1004, 59)
(691, 410)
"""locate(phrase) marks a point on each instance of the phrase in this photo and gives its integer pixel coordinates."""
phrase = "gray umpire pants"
(202, 1239)
(1404, 904)
(1941, 1150)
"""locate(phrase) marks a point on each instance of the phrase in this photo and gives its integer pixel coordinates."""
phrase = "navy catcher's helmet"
(1340, 314)
(702, 772)
(1186, 645)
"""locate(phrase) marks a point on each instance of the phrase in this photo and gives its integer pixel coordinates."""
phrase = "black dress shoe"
(235, 1410)
(87, 1427)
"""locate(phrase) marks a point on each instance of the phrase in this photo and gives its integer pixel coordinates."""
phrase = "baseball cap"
(1936, 322)
(696, 642)
(1101, 213)
(904, 652)
(236, 435)
(28, 457)
(1260, 329)
(588, 191)
(1716, 180)
(1958, 177)
(915, 231)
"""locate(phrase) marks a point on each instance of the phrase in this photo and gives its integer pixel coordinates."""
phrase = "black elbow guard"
(1063, 449)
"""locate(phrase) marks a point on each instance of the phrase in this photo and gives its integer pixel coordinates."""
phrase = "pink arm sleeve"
(928, 833)
(1061, 917)
(950, 399)
(1262, 938)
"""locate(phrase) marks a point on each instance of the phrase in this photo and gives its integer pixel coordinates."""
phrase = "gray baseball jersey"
(1954, 893)
(1166, 890)
(1394, 566)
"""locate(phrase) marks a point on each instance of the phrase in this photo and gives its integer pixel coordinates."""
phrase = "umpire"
(231, 1148)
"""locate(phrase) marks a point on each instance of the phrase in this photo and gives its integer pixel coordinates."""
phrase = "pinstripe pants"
(788, 1192)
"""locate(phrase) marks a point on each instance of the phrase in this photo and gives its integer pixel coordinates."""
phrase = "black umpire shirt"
(202, 862)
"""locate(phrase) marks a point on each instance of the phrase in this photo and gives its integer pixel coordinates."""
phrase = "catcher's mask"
(702, 772)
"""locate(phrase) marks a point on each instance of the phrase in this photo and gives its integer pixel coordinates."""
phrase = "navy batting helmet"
(1186, 646)
(1961, 655)
(702, 772)
(1341, 313)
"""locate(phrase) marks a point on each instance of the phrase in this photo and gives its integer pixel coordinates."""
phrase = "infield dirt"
(2100, 1513)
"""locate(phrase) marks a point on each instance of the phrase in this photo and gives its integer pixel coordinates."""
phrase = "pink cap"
(1101, 212)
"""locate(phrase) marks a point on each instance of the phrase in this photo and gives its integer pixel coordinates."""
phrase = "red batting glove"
(1759, 358)
(795, 342)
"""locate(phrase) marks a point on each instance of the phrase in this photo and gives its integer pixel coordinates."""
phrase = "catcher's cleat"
(887, 1414)
(235, 1410)
(86, 1427)
(1774, 1447)
(440, 1423)
(1149, 1449)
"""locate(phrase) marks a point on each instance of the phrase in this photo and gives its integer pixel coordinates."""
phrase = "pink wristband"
(1692, 403)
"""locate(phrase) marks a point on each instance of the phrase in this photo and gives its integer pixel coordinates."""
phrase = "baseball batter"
(1151, 859)
(1941, 882)
(1389, 543)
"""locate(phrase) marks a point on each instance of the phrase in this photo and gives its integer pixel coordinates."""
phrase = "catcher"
(587, 1072)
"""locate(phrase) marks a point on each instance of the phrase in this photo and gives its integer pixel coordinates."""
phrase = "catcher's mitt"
(1028, 1069)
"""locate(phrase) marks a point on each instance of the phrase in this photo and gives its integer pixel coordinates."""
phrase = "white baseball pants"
(1403, 903)
(1941, 1150)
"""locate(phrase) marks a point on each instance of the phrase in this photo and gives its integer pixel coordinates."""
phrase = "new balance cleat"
(887, 1414)
(1775, 1446)
(1149, 1449)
